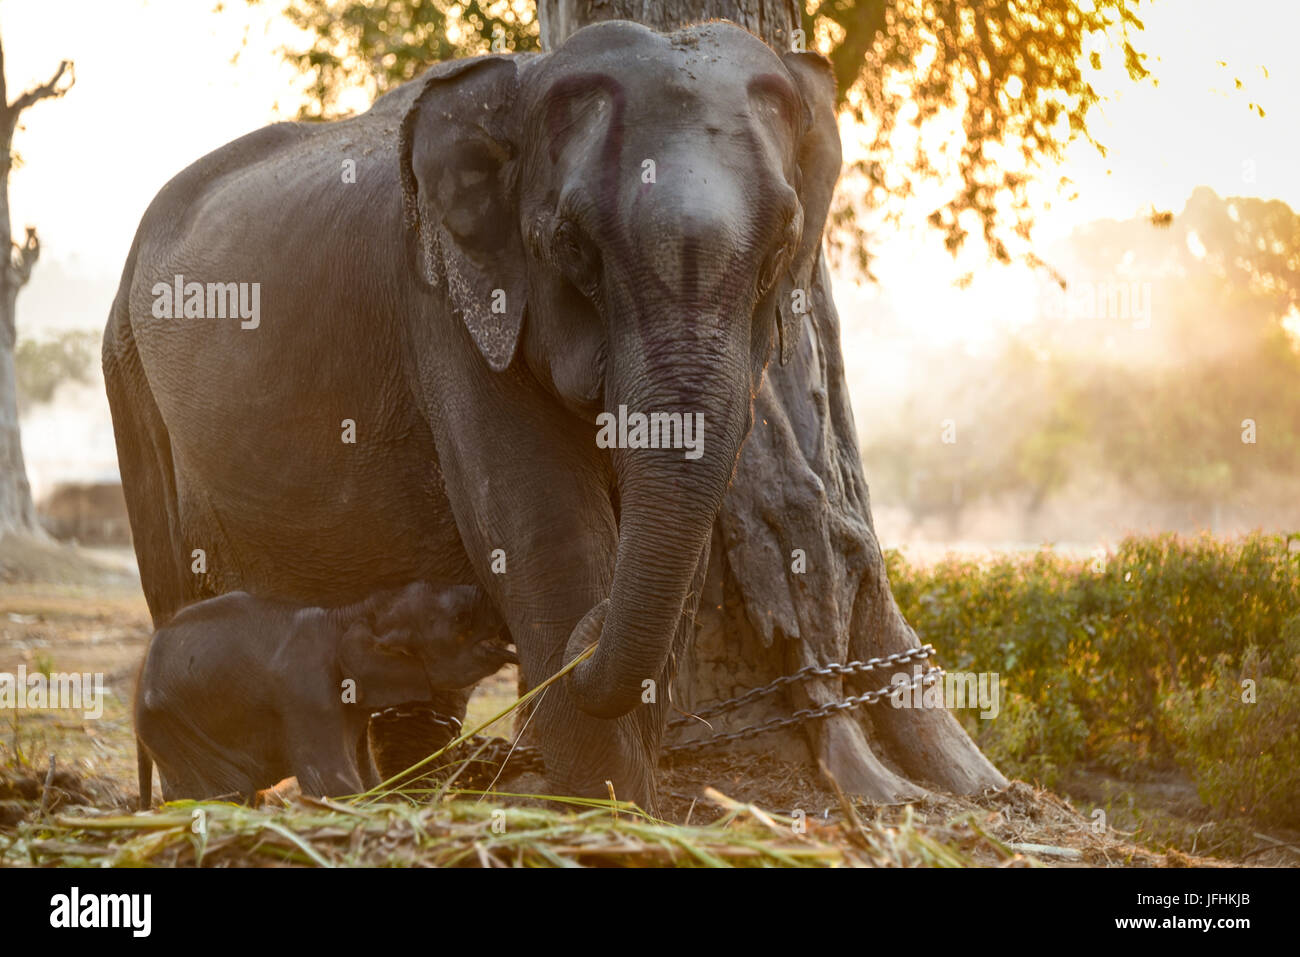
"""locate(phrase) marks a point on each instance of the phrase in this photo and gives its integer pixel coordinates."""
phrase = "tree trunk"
(799, 485)
(773, 20)
(17, 512)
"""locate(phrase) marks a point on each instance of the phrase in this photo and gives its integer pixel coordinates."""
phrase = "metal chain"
(804, 714)
(497, 755)
(417, 710)
(803, 674)
(501, 754)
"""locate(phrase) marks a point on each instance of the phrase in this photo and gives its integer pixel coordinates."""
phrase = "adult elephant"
(471, 273)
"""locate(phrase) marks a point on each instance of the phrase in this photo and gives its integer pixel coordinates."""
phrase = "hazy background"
(1076, 416)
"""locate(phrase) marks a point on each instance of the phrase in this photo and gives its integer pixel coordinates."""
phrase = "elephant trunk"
(669, 499)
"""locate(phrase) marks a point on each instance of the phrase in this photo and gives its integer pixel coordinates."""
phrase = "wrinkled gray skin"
(519, 175)
(238, 693)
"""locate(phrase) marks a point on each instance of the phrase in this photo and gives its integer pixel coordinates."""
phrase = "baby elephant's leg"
(323, 754)
(191, 766)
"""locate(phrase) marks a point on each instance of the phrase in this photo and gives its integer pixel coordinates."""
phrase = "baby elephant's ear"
(383, 666)
(359, 646)
(396, 641)
(356, 649)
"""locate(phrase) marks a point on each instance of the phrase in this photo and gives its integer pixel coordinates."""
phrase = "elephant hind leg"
(322, 750)
(197, 768)
(148, 476)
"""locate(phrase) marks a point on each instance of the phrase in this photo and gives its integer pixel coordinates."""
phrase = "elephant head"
(421, 639)
(633, 219)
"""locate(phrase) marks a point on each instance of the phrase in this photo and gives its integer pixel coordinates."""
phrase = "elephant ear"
(384, 665)
(356, 646)
(819, 168)
(458, 166)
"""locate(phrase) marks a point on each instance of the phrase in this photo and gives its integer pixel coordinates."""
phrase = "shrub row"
(1168, 650)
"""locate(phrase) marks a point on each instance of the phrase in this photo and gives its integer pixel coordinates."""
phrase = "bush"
(1132, 661)
(1241, 743)
(1031, 740)
(41, 366)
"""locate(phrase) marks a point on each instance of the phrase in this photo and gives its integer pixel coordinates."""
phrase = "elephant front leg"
(547, 560)
(323, 754)
(584, 755)
(533, 493)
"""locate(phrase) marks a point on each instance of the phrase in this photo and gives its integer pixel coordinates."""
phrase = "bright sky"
(156, 89)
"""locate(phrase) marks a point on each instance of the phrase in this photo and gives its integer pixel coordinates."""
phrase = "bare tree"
(17, 512)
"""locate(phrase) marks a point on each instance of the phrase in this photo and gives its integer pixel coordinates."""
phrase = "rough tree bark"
(17, 511)
(799, 485)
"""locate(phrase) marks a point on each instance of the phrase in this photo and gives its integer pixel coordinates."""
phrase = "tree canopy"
(1019, 76)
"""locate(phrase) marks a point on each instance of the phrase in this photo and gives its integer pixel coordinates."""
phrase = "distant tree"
(380, 44)
(17, 512)
(1154, 400)
(42, 366)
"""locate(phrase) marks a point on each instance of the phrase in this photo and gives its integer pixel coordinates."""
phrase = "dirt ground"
(95, 620)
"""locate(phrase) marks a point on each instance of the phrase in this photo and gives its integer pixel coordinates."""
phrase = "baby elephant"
(237, 692)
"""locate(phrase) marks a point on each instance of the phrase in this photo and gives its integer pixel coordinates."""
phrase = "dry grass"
(396, 825)
(1017, 827)
(465, 832)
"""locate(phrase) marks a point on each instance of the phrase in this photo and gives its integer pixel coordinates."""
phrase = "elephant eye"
(577, 256)
(776, 261)
(779, 258)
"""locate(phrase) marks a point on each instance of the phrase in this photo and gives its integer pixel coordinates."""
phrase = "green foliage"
(384, 43)
(1134, 663)
(1035, 739)
(42, 365)
(1243, 747)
